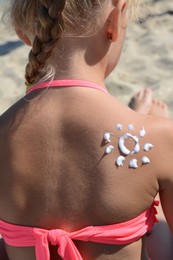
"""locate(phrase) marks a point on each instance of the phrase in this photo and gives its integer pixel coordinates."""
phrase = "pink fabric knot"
(66, 247)
(56, 236)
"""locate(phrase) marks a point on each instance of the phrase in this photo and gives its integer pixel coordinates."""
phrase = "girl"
(79, 171)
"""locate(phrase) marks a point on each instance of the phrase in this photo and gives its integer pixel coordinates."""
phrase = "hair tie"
(28, 85)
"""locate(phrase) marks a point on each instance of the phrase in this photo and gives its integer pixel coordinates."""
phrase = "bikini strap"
(66, 83)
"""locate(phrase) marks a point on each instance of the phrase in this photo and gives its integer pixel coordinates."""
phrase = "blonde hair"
(46, 21)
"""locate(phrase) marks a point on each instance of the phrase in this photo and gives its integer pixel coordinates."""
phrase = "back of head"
(45, 22)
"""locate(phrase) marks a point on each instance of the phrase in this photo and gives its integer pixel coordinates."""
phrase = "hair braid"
(49, 29)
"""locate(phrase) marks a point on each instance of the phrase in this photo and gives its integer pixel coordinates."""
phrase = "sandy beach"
(146, 61)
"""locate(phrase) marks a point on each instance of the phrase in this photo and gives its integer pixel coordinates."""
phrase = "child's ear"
(23, 37)
(117, 20)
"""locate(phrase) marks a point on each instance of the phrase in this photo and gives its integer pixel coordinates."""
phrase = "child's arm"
(159, 243)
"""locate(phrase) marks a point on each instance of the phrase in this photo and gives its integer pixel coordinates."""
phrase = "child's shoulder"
(160, 131)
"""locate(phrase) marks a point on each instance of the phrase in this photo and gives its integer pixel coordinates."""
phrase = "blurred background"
(146, 61)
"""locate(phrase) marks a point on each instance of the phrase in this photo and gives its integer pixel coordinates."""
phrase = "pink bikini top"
(66, 83)
(119, 234)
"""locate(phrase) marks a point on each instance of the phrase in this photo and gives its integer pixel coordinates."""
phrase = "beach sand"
(146, 61)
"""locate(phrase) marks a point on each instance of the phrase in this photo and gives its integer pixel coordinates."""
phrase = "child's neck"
(78, 59)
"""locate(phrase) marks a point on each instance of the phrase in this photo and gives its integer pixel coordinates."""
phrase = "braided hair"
(49, 29)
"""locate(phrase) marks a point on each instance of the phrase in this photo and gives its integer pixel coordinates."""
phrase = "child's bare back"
(59, 175)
